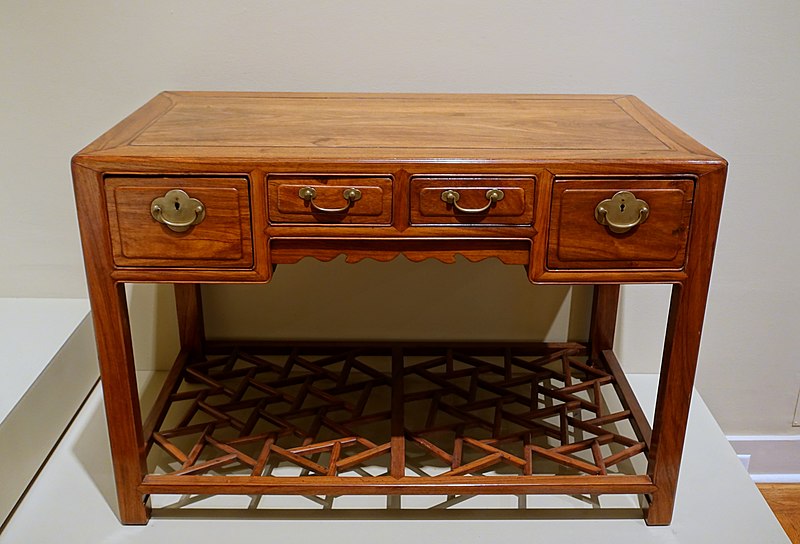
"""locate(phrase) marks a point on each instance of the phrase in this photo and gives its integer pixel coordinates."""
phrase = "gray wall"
(726, 72)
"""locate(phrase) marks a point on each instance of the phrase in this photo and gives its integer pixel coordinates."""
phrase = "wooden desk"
(221, 187)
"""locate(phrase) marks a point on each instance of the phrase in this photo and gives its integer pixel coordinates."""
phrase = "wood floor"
(784, 499)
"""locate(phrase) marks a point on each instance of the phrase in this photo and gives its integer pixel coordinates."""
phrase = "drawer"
(459, 200)
(578, 240)
(331, 199)
(223, 238)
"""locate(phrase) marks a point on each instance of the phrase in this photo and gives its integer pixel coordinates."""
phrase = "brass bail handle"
(451, 197)
(621, 212)
(350, 195)
(177, 210)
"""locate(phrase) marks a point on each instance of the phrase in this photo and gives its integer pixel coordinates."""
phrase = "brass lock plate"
(621, 212)
(177, 210)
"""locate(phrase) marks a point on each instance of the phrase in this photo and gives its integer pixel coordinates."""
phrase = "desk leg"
(114, 349)
(191, 331)
(604, 319)
(675, 385)
(681, 347)
(121, 397)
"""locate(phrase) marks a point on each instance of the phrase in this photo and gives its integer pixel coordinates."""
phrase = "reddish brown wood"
(271, 134)
(373, 208)
(191, 328)
(681, 347)
(451, 485)
(162, 403)
(246, 154)
(114, 349)
(287, 251)
(427, 206)
(784, 501)
(297, 394)
(410, 348)
(603, 326)
(577, 240)
(222, 239)
(319, 127)
(642, 427)
(398, 440)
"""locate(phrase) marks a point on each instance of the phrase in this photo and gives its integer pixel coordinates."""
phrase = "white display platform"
(48, 364)
(33, 331)
(72, 501)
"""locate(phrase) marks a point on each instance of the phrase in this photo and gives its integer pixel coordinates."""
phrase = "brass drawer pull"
(177, 210)
(492, 195)
(621, 212)
(350, 195)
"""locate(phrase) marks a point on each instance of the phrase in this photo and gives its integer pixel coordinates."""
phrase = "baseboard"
(776, 478)
(770, 459)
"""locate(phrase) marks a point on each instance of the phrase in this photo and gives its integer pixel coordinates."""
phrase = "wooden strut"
(443, 419)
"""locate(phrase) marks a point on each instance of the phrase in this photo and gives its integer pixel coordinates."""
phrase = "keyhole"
(622, 207)
(177, 205)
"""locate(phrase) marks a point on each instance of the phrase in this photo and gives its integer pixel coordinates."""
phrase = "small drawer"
(331, 199)
(222, 238)
(577, 239)
(460, 200)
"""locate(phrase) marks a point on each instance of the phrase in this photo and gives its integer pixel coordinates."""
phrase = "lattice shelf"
(341, 416)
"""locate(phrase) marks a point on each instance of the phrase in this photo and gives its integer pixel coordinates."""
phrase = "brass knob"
(492, 195)
(621, 212)
(177, 210)
(350, 195)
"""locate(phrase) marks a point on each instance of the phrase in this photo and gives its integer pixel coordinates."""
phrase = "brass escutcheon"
(621, 212)
(177, 210)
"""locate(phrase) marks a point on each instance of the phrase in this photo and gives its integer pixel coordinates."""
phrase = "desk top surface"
(391, 127)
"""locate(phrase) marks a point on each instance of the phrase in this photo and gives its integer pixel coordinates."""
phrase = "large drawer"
(578, 240)
(223, 238)
(330, 199)
(472, 200)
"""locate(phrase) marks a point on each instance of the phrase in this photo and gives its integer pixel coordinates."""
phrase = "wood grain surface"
(577, 240)
(396, 127)
(784, 500)
(248, 155)
(222, 239)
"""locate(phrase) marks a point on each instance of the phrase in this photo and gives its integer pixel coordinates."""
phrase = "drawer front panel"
(222, 239)
(578, 240)
(432, 200)
(329, 199)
